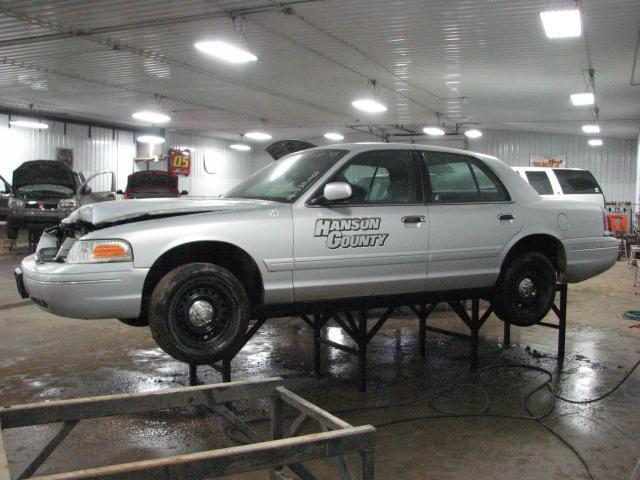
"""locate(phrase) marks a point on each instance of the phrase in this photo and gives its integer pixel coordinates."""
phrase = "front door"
(374, 243)
(471, 220)
(99, 187)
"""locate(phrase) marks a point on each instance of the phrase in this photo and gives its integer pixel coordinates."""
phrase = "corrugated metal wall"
(104, 150)
(216, 168)
(613, 164)
(115, 150)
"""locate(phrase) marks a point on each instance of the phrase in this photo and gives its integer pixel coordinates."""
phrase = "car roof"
(542, 169)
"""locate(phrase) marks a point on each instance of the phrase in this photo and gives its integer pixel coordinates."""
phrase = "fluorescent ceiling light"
(151, 139)
(591, 128)
(240, 146)
(369, 105)
(595, 142)
(433, 131)
(258, 136)
(151, 117)
(579, 99)
(226, 52)
(561, 23)
(333, 136)
(473, 133)
(28, 124)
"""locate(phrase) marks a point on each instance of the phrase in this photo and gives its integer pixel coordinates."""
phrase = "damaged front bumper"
(88, 291)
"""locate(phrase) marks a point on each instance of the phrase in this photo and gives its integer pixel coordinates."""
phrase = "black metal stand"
(358, 330)
(224, 366)
(561, 326)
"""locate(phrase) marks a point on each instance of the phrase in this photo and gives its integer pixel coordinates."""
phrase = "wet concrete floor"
(44, 357)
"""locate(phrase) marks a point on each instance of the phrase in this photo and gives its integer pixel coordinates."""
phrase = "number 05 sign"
(179, 162)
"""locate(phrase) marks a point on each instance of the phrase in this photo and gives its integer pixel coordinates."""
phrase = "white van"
(566, 183)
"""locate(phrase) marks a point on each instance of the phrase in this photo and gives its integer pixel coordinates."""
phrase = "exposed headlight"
(16, 203)
(69, 203)
(100, 251)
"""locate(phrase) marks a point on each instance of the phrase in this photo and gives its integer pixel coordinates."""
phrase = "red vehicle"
(152, 184)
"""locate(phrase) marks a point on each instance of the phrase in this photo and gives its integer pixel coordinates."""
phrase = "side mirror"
(335, 191)
(86, 190)
(119, 192)
(184, 192)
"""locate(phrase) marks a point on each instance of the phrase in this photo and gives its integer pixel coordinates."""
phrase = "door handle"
(506, 216)
(413, 219)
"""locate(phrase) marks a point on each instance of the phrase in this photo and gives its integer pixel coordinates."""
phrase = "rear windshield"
(577, 181)
(540, 182)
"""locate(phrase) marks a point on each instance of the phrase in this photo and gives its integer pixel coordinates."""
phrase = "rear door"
(471, 220)
(374, 243)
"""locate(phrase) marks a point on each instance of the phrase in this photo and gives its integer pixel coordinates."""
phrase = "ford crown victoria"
(333, 223)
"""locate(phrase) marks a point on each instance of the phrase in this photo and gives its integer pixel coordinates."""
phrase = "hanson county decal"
(350, 232)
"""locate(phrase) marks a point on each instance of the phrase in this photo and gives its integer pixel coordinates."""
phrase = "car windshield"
(577, 181)
(45, 188)
(286, 179)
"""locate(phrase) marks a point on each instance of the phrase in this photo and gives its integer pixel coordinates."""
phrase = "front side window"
(286, 179)
(540, 182)
(577, 181)
(381, 177)
(457, 178)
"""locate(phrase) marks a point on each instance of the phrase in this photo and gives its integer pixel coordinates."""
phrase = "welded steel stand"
(356, 328)
(561, 326)
(473, 322)
(224, 366)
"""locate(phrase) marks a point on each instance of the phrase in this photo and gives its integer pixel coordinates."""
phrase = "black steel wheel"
(198, 313)
(526, 289)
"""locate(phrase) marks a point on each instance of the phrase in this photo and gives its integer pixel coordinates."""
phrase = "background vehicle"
(564, 183)
(46, 191)
(5, 194)
(328, 224)
(152, 184)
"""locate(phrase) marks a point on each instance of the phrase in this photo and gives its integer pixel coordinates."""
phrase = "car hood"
(120, 211)
(49, 172)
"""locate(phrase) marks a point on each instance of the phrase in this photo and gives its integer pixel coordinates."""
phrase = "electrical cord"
(483, 411)
(632, 315)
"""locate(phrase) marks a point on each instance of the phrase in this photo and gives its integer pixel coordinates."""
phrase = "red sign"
(179, 162)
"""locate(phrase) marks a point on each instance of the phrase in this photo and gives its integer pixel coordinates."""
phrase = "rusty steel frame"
(285, 448)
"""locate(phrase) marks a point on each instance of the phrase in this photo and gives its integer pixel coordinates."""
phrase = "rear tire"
(526, 290)
(198, 313)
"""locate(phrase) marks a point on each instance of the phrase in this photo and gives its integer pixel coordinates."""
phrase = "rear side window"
(577, 182)
(456, 178)
(540, 182)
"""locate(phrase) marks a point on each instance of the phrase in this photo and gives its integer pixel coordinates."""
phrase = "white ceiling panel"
(459, 61)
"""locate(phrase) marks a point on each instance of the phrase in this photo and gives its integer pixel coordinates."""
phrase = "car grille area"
(41, 205)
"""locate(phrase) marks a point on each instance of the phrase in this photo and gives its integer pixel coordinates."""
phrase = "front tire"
(526, 290)
(198, 313)
(135, 322)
